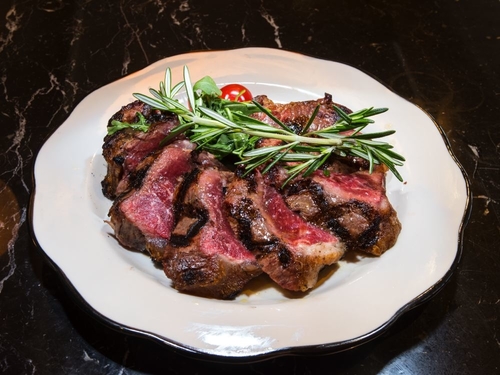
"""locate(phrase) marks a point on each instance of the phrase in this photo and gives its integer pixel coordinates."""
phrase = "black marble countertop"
(441, 55)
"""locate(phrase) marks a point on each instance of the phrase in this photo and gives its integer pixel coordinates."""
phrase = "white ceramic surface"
(353, 302)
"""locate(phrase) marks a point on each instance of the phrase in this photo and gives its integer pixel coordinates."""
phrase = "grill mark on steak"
(289, 249)
(297, 114)
(189, 218)
(188, 227)
(309, 199)
(250, 226)
(144, 217)
(354, 206)
(127, 148)
(206, 258)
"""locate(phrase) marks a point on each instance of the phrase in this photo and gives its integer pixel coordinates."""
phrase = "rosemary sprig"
(140, 125)
(225, 127)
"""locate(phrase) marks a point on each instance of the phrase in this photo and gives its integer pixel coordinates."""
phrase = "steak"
(297, 114)
(288, 248)
(350, 204)
(143, 218)
(125, 149)
(213, 228)
(203, 256)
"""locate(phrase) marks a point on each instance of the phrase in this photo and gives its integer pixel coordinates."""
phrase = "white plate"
(355, 302)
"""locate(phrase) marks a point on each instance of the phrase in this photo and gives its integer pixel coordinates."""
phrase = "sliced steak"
(143, 218)
(352, 205)
(297, 114)
(125, 149)
(289, 249)
(203, 256)
(214, 229)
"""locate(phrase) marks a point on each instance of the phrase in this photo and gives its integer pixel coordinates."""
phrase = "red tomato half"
(236, 92)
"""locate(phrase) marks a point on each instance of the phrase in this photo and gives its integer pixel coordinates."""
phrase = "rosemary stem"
(204, 121)
(296, 138)
(224, 127)
(284, 137)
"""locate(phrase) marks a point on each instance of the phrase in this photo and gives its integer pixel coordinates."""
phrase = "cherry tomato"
(236, 92)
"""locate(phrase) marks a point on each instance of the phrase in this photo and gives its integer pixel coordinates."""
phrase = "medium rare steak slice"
(143, 218)
(289, 249)
(297, 114)
(204, 257)
(352, 205)
(125, 149)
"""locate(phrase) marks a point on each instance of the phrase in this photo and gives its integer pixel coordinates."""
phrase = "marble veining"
(270, 20)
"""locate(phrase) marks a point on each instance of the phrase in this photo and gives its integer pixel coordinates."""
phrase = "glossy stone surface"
(442, 56)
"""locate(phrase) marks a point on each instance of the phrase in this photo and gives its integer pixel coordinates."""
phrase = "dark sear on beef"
(288, 248)
(203, 256)
(351, 204)
(125, 149)
(213, 229)
(297, 114)
(143, 218)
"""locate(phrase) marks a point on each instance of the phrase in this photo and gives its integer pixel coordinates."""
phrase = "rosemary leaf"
(226, 127)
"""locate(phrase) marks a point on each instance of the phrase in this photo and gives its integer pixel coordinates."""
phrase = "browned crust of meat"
(125, 149)
(290, 250)
(353, 205)
(297, 114)
(143, 217)
(208, 275)
(203, 255)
